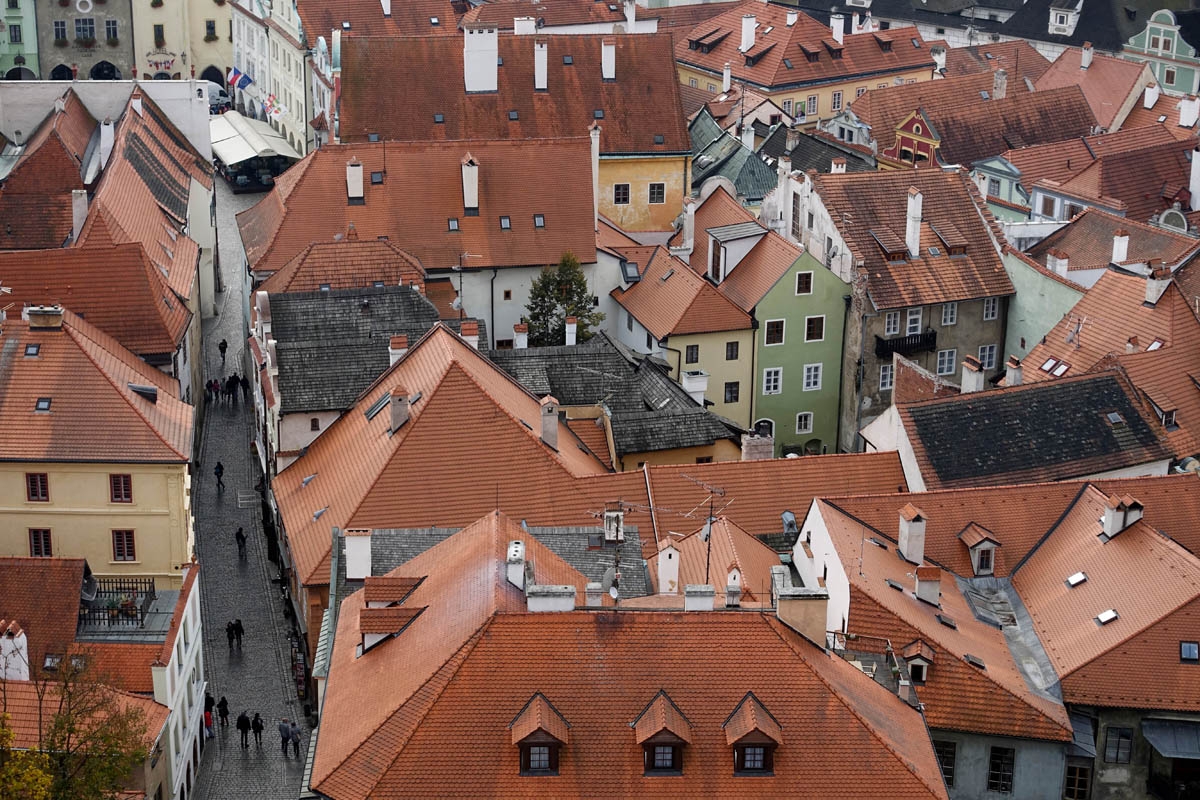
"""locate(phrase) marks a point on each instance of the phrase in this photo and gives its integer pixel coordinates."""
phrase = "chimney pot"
(520, 336)
(972, 375)
(550, 422)
(1013, 371)
(912, 534)
(400, 408)
(397, 347)
(572, 328)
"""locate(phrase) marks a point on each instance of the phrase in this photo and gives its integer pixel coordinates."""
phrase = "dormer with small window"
(1119, 513)
(919, 658)
(1164, 408)
(539, 732)
(663, 732)
(1064, 16)
(754, 734)
(981, 544)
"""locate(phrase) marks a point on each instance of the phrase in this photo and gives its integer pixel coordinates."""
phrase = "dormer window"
(754, 734)
(753, 759)
(982, 545)
(539, 731)
(983, 561)
(663, 758)
(539, 759)
(663, 731)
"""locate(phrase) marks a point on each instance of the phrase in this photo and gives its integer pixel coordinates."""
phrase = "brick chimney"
(972, 375)
(748, 24)
(481, 49)
(550, 422)
(400, 408)
(1013, 371)
(572, 329)
(1120, 246)
(912, 534)
(469, 330)
(912, 224)
(929, 585)
(520, 336)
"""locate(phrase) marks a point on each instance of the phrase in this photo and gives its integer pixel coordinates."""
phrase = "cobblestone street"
(256, 678)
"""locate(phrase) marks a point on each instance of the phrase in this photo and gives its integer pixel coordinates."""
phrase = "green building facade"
(18, 40)
(1161, 45)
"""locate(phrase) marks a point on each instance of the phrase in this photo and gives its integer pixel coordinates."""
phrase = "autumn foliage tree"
(559, 292)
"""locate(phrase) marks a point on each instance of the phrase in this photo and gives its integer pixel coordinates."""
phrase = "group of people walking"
(289, 731)
(222, 389)
(234, 630)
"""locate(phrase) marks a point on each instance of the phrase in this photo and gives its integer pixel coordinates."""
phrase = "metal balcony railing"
(906, 345)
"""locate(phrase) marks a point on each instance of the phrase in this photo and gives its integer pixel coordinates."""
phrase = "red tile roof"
(1169, 380)
(683, 18)
(560, 12)
(878, 204)
(728, 548)
(1087, 242)
(32, 707)
(425, 77)
(913, 383)
(671, 299)
(94, 415)
(475, 658)
(1165, 106)
(1017, 57)
(408, 18)
(861, 55)
(346, 263)
(309, 203)
(752, 716)
(42, 596)
(1058, 161)
(1107, 83)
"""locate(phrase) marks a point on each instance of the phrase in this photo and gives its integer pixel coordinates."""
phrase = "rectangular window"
(913, 325)
(812, 104)
(37, 487)
(210, 29)
(628, 321)
(731, 351)
(1047, 206)
(949, 313)
(809, 220)
(85, 28)
(860, 91)
(110, 29)
(1079, 782)
(754, 758)
(814, 329)
(14, 3)
(692, 353)
(804, 283)
(991, 308)
(732, 391)
(123, 549)
(837, 102)
(773, 334)
(39, 543)
(795, 215)
(994, 187)
(621, 194)
(787, 106)
(804, 422)
(945, 361)
(887, 374)
(985, 561)
(773, 380)
(14, 33)
(712, 87)
(121, 488)
(664, 756)
(1000, 769)
(539, 757)
(505, 224)
(658, 194)
(160, 36)
(891, 323)
(1169, 76)
(60, 30)
(1118, 745)
(649, 341)
(539, 220)
(692, 82)
(946, 752)
(987, 356)
(812, 377)
(1189, 652)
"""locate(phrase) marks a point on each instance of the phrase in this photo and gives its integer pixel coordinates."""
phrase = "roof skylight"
(32, 350)
(1076, 579)
(1106, 616)
(899, 587)
(43, 404)
(947, 621)
(974, 661)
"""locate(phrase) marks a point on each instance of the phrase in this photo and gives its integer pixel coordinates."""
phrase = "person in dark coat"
(219, 471)
(285, 735)
(295, 732)
(222, 347)
(245, 388)
(256, 725)
(223, 710)
(209, 701)
(243, 726)
(238, 631)
(240, 536)
(230, 633)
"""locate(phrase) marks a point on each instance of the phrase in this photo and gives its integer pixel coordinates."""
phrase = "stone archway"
(20, 74)
(105, 71)
(61, 73)
(213, 75)
(162, 76)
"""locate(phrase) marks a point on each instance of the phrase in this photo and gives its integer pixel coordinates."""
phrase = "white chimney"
(1156, 283)
(79, 209)
(689, 228)
(595, 133)
(1085, 56)
(1150, 96)
(1013, 372)
(668, 570)
(929, 585)
(1189, 112)
(748, 134)
(630, 16)
(837, 26)
(387, 7)
(727, 77)
(999, 84)
(550, 422)
(480, 50)
(698, 598)
(1120, 246)
(608, 59)
(14, 652)
(470, 181)
(695, 383)
(136, 103)
(397, 347)
(972, 375)
(400, 408)
(1194, 179)
(1057, 261)
(855, 23)
(912, 534)
(540, 68)
(540, 598)
(1131, 345)
(520, 336)
(733, 596)
(837, 166)
(594, 594)
(524, 26)
(468, 329)
(514, 564)
(1120, 513)
(748, 23)
(354, 180)
(792, 16)
(107, 134)
(912, 225)
(358, 553)
(572, 328)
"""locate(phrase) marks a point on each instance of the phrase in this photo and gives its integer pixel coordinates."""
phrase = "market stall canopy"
(236, 138)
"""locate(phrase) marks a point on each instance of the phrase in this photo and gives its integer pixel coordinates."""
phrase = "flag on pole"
(244, 81)
(234, 75)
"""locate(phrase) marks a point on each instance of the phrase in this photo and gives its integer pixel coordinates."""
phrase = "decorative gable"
(539, 722)
(750, 722)
(981, 544)
(662, 722)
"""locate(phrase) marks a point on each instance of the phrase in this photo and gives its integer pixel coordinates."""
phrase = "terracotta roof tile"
(671, 299)
(1165, 106)
(345, 263)
(1170, 379)
(32, 706)
(593, 438)
(913, 383)
(540, 715)
(1058, 161)
(751, 716)
(687, 17)
(1018, 57)
(387, 620)
(313, 205)
(1086, 242)
(729, 548)
(662, 716)
(42, 596)
(1106, 84)
(562, 12)
(408, 18)
(426, 76)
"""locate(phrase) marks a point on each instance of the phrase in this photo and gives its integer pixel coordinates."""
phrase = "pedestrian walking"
(295, 739)
(219, 471)
(223, 710)
(245, 388)
(222, 347)
(208, 731)
(238, 631)
(256, 725)
(209, 702)
(232, 386)
(243, 726)
(230, 634)
(240, 536)
(285, 735)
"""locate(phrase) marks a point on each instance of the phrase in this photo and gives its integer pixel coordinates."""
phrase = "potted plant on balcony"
(113, 606)
(112, 41)
(128, 605)
(211, 37)
(61, 42)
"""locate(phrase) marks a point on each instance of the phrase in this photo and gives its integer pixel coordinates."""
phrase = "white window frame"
(783, 333)
(993, 183)
(891, 323)
(836, 102)
(987, 356)
(949, 314)
(650, 193)
(887, 377)
(812, 105)
(814, 316)
(1169, 75)
(810, 283)
(813, 369)
(804, 415)
(773, 375)
(914, 315)
(787, 107)
(991, 308)
(951, 359)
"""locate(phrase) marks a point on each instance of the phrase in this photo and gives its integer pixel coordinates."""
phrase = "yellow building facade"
(723, 374)
(643, 193)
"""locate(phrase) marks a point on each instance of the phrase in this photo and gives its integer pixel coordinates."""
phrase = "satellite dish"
(789, 522)
(706, 531)
(610, 581)
(456, 304)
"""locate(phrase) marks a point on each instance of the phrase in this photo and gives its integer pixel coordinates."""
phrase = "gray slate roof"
(718, 153)
(811, 152)
(332, 345)
(649, 410)
(393, 547)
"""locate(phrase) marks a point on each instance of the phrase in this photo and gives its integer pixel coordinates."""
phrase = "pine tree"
(559, 292)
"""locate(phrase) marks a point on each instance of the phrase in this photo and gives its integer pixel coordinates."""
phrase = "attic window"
(974, 661)
(32, 350)
(787, 62)
(916, 43)
(933, 251)
(513, 116)
(324, 287)
(505, 224)
(899, 587)
(43, 404)
(568, 60)
(878, 542)
(539, 220)
(1157, 343)
(452, 224)
(768, 30)
(947, 621)
(434, 21)
(658, 138)
(317, 514)
(598, 113)
(307, 480)
(438, 119)
(1076, 579)
(372, 137)
(1107, 616)
(499, 61)
(345, 25)
(1050, 364)
(1114, 418)
(52, 661)
(1061, 369)
(376, 178)
(666, 275)
(1189, 652)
